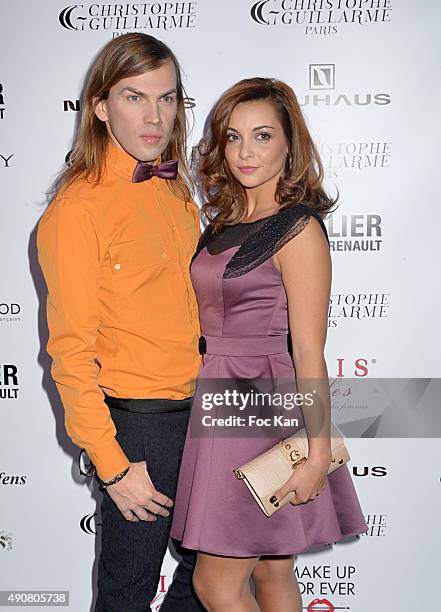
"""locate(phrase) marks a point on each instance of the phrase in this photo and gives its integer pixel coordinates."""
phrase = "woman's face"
(257, 147)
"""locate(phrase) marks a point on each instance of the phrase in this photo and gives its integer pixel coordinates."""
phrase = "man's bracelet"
(115, 479)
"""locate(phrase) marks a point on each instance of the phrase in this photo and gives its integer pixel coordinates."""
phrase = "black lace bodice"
(258, 240)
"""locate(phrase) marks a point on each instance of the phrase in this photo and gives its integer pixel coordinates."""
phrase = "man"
(115, 247)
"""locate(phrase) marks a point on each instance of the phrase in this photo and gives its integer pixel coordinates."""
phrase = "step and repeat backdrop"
(366, 73)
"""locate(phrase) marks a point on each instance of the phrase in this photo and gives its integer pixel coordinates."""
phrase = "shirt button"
(164, 255)
(117, 266)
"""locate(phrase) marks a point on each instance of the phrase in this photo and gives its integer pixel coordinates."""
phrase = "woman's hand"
(307, 481)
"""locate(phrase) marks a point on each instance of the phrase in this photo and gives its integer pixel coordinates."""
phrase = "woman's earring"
(288, 164)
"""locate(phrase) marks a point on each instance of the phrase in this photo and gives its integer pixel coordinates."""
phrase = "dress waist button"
(202, 345)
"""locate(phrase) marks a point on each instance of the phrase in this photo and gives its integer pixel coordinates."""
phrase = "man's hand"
(136, 497)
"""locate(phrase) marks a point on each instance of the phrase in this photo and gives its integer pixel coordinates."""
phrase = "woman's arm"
(305, 265)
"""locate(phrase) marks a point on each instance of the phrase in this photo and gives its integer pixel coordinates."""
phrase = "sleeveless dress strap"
(272, 236)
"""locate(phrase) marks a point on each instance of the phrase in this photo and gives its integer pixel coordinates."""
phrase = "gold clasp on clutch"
(299, 462)
(239, 474)
(294, 455)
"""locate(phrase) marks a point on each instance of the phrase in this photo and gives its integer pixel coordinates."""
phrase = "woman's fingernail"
(273, 499)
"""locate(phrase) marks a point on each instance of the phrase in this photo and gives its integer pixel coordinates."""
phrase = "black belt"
(148, 406)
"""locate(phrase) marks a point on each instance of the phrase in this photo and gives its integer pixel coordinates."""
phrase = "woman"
(262, 268)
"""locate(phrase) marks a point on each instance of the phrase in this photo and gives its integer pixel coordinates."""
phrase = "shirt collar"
(122, 162)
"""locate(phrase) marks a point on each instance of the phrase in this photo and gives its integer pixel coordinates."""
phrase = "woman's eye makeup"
(262, 136)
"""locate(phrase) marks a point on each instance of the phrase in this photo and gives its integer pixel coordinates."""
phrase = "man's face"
(140, 112)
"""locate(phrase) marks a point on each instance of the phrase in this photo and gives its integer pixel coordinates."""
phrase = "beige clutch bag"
(270, 470)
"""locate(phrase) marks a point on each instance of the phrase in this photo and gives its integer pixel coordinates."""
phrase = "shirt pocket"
(129, 258)
(140, 276)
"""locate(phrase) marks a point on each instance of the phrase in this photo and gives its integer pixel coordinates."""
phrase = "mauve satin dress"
(214, 512)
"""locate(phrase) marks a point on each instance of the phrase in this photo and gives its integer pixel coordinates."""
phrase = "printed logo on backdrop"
(377, 525)
(2, 102)
(377, 471)
(8, 381)
(11, 479)
(322, 77)
(341, 156)
(6, 540)
(357, 368)
(322, 584)
(91, 523)
(346, 155)
(321, 17)
(360, 232)
(349, 402)
(321, 604)
(9, 312)
(358, 306)
(128, 17)
(6, 160)
(71, 105)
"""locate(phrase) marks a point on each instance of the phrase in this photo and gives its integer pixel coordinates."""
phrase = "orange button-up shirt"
(121, 310)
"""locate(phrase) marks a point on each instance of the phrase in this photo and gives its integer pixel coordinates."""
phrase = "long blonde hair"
(125, 56)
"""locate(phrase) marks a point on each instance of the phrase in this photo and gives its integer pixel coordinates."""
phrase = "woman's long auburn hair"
(126, 56)
(225, 198)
